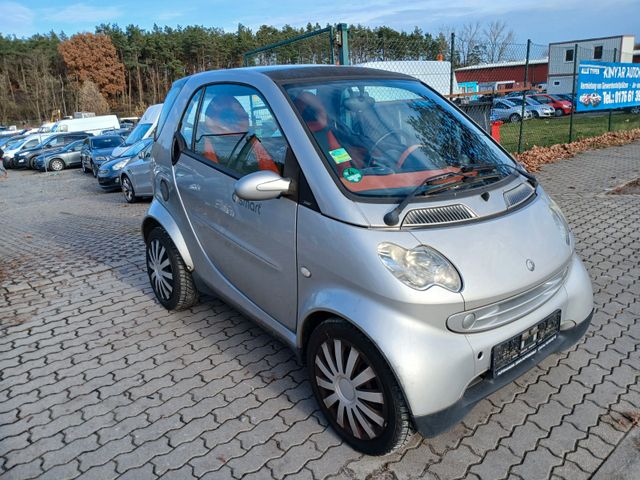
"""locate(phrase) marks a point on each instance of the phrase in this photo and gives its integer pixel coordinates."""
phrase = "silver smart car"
(368, 223)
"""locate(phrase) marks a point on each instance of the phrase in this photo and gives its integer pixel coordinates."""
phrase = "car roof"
(285, 73)
(95, 137)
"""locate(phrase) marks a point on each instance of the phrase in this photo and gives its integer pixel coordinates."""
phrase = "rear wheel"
(128, 191)
(356, 389)
(171, 281)
(56, 165)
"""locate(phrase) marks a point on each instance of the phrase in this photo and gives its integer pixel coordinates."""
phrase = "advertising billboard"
(606, 85)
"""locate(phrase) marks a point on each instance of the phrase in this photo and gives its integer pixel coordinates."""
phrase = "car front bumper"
(444, 374)
(436, 423)
(109, 182)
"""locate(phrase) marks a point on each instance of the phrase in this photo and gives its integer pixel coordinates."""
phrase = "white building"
(562, 56)
(435, 73)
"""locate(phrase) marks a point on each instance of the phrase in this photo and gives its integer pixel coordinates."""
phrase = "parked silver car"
(136, 176)
(507, 111)
(374, 228)
(537, 109)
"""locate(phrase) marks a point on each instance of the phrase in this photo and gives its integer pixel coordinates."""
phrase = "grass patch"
(552, 131)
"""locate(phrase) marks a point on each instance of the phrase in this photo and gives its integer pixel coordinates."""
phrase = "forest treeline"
(129, 68)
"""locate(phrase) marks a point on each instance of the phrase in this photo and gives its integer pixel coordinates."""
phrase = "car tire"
(558, 112)
(514, 118)
(375, 425)
(56, 165)
(84, 169)
(171, 281)
(6, 163)
(128, 191)
(94, 170)
(32, 163)
(535, 114)
(635, 110)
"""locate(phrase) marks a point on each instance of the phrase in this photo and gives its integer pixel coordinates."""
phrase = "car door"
(73, 155)
(141, 173)
(229, 132)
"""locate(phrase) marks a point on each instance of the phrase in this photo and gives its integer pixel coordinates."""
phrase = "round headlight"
(419, 268)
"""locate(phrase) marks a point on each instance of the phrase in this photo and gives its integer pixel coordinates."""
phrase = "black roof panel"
(282, 73)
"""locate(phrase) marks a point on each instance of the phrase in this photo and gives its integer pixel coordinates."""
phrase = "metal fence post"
(343, 52)
(332, 33)
(615, 55)
(451, 55)
(524, 96)
(573, 90)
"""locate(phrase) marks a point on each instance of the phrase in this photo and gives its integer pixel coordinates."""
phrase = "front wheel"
(558, 112)
(84, 169)
(128, 191)
(94, 170)
(171, 281)
(356, 389)
(514, 118)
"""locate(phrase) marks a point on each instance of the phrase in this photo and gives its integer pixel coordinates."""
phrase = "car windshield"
(137, 133)
(106, 142)
(19, 143)
(383, 138)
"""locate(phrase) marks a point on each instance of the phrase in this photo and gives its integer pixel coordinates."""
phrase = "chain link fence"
(523, 94)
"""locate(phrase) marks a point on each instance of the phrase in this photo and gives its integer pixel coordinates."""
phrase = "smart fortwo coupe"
(368, 223)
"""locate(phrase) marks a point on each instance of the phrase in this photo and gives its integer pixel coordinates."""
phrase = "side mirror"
(262, 185)
(179, 144)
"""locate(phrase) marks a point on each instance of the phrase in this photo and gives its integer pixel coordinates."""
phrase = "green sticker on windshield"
(339, 155)
(352, 175)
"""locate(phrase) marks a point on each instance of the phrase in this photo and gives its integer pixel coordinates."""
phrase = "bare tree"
(497, 39)
(91, 100)
(468, 42)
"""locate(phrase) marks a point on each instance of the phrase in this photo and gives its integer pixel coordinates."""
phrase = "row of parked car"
(536, 105)
(117, 162)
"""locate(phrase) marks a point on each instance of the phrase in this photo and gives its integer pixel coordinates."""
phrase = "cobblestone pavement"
(97, 380)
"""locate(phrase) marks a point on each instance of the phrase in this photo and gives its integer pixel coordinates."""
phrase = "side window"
(189, 119)
(236, 130)
(169, 100)
(31, 143)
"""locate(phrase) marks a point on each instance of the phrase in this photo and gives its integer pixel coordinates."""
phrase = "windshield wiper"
(392, 217)
(488, 166)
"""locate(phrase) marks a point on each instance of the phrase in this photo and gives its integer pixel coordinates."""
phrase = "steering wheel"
(383, 137)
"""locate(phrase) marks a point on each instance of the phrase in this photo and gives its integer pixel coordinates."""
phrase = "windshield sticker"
(352, 175)
(339, 155)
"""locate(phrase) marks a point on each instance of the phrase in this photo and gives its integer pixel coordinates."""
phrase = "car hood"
(492, 255)
(113, 161)
(101, 152)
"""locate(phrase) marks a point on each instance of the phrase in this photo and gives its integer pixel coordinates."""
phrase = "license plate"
(514, 351)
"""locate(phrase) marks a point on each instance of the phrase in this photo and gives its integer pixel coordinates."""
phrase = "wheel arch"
(158, 216)
(316, 318)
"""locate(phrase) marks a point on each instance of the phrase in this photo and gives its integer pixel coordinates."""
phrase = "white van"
(93, 125)
(144, 129)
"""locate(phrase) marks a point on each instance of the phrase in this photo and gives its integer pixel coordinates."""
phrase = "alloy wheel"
(350, 389)
(160, 269)
(56, 165)
(127, 189)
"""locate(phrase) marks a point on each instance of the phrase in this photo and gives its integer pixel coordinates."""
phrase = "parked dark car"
(109, 173)
(97, 150)
(6, 141)
(26, 158)
(61, 158)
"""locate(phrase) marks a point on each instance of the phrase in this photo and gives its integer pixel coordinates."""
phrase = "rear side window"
(237, 131)
(169, 100)
(189, 119)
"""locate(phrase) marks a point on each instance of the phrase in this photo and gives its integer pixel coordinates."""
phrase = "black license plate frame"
(510, 353)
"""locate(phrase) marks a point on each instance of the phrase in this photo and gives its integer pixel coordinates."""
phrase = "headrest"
(359, 103)
(313, 112)
(225, 114)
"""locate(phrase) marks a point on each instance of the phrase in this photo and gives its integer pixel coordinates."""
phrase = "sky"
(542, 21)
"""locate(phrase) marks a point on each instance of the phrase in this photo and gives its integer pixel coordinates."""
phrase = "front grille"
(438, 215)
(519, 194)
(507, 310)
